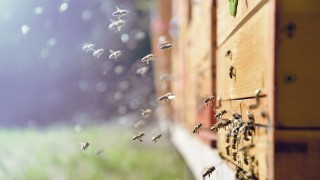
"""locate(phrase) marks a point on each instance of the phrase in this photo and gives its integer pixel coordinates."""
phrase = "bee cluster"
(238, 132)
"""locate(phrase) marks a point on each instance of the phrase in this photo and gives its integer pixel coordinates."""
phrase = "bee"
(228, 136)
(235, 156)
(208, 99)
(197, 128)
(142, 71)
(146, 113)
(84, 146)
(240, 173)
(228, 54)
(116, 25)
(231, 72)
(97, 53)
(228, 150)
(155, 138)
(114, 54)
(235, 142)
(139, 124)
(138, 137)
(147, 58)
(237, 117)
(166, 97)
(217, 126)
(220, 114)
(251, 124)
(88, 47)
(251, 174)
(165, 45)
(120, 12)
(208, 172)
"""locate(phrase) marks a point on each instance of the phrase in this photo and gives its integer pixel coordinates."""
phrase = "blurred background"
(54, 95)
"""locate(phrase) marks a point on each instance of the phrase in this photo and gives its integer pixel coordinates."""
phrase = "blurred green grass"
(55, 153)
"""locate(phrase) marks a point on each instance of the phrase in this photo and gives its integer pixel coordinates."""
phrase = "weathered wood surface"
(251, 56)
(228, 24)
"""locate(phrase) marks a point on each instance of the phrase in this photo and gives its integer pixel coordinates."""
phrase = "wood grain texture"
(298, 64)
(227, 24)
(297, 154)
(251, 51)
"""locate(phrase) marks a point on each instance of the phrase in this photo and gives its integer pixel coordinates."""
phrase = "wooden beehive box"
(271, 46)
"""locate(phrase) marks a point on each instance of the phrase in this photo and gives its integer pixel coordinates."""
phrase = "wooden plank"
(251, 53)
(298, 64)
(227, 24)
(297, 154)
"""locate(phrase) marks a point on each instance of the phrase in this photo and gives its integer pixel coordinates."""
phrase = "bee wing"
(111, 51)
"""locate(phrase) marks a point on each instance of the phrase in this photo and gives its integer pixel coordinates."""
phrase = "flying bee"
(114, 54)
(147, 58)
(139, 124)
(220, 114)
(120, 12)
(142, 71)
(231, 72)
(84, 146)
(146, 113)
(165, 45)
(117, 25)
(208, 99)
(97, 53)
(155, 138)
(88, 47)
(208, 171)
(166, 97)
(138, 137)
(197, 128)
(228, 150)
